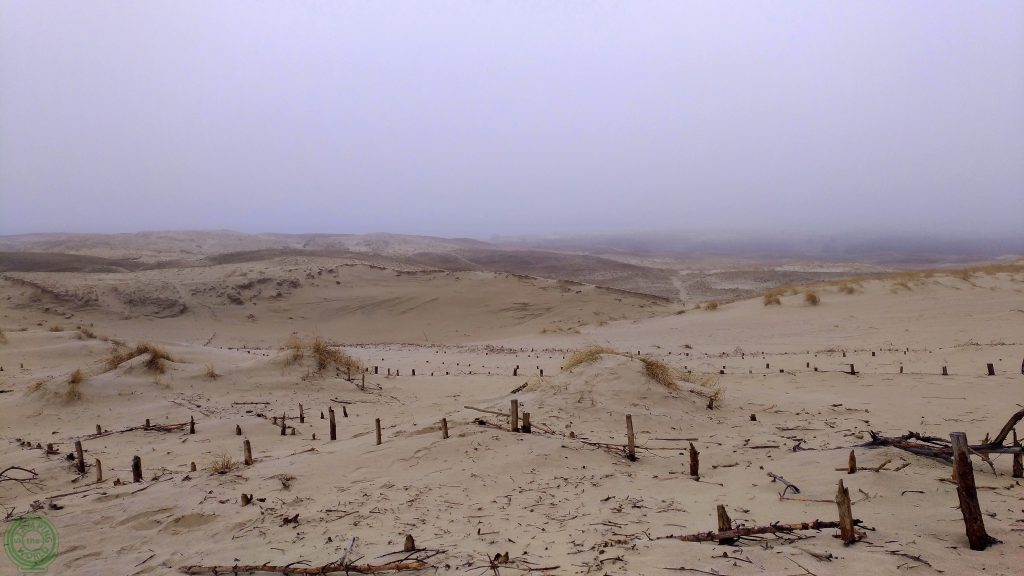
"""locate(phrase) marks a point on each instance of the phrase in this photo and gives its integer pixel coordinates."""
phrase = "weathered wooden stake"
(851, 467)
(515, 371)
(79, 457)
(333, 425)
(846, 531)
(945, 371)
(136, 469)
(192, 467)
(302, 415)
(526, 423)
(724, 524)
(247, 449)
(192, 425)
(99, 470)
(901, 369)
(991, 369)
(541, 372)
(246, 499)
(852, 371)
(283, 425)
(99, 429)
(410, 544)
(514, 420)
(968, 493)
(344, 411)
(376, 423)
(238, 430)
(694, 462)
(630, 440)
(1018, 458)
(444, 428)
(362, 385)
(147, 423)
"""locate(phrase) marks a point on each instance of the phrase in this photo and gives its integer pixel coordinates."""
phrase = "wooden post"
(283, 425)
(514, 419)
(851, 467)
(79, 457)
(99, 429)
(246, 499)
(526, 423)
(694, 462)
(968, 493)
(541, 372)
(333, 425)
(375, 370)
(413, 371)
(362, 385)
(147, 423)
(247, 449)
(302, 414)
(136, 468)
(852, 371)
(238, 430)
(945, 371)
(991, 369)
(410, 544)
(630, 440)
(192, 467)
(724, 524)
(344, 411)
(192, 425)
(901, 368)
(846, 531)
(444, 428)
(515, 371)
(1018, 458)
(376, 423)
(99, 470)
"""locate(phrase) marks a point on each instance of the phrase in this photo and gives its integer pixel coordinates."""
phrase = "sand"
(550, 499)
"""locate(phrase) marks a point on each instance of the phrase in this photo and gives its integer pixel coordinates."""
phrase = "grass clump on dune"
(325, 357)
(296, 350)
(586, 356)
(811, 298)
(74, 390)
(711, 305)
(772, 299)
(56, 328)
(223, 463)
(210, 372)
(155, 363)
(659, 372)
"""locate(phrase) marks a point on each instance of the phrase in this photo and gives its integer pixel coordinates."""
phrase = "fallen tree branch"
(741, 532)
(153, 427)
(934, 447)
(334, 568)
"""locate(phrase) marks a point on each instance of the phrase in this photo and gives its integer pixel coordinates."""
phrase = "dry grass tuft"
(223, 463)
(56, 328)
(846, 289)
(772, 299)
(586, 356)
(85, 332)
(74, 390)
(659, 372)
(120, 354)
(326, 357)
(811, 298)
(211, 373)
(711, 305)
(296, 350)
(76, 377)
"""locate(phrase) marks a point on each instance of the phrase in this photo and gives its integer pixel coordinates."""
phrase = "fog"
(507, 118)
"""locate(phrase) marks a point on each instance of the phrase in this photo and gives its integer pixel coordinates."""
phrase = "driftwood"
(152, 428)
(753, 531)
(334, 568)
(936, 447)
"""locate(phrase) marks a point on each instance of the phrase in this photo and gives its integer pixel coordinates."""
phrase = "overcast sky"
(478, 118)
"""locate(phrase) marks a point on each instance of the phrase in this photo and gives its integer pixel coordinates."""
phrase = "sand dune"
(554, 498)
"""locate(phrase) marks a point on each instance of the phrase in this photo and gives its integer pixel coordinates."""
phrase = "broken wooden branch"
(753, 531)
(334, 568)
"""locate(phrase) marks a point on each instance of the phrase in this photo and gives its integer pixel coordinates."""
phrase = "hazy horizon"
(461, 119)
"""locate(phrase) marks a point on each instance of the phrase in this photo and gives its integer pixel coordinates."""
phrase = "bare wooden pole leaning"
(968, 493)
(630, 439)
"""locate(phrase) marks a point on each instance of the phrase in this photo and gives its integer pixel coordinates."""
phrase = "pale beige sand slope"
(545, 498)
